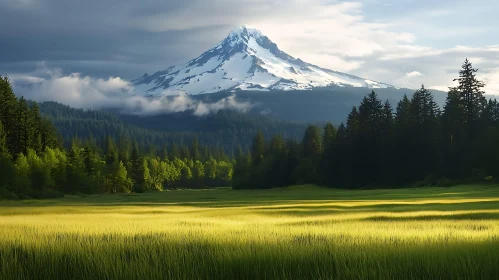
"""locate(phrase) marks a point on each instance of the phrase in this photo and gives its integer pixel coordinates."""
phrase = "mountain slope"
(245, 60)
(225, 129)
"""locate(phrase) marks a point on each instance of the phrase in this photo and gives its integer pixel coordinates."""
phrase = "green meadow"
(302, 232)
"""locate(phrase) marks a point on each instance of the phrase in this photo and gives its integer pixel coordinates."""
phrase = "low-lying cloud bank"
(87, 92)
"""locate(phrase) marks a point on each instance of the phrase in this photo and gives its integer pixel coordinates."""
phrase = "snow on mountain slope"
(245, 60)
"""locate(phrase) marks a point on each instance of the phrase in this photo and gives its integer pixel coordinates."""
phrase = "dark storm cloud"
(96, 52)
(103, 38)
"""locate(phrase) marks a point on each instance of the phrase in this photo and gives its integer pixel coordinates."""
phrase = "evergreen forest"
(49, 149)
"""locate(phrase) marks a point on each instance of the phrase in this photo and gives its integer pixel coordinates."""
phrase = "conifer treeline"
(416, 143)
(33, 162)
(222, 130)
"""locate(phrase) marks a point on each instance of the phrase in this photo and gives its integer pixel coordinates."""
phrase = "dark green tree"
(312, 142)
(76, 176)
(49, 136)
(242, 171)
(402, 141)
(277, 172)
(470, 94)
(110, 151)
(307, 169)
(387, 151)
(257, 149)
(454, 138)
(164, 152)
(343, 156)
(36, 128)
(353, 126)
(194, 149)
(326, 170)
(174, 152)
(8, 115)
(139, 170)
(124, 150)
(185, 153)
(24, 127)
(367, 159)
(117, 180)
(3, 141)
(424, 134)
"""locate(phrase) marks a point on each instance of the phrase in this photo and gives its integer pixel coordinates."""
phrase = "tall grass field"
(301, 232)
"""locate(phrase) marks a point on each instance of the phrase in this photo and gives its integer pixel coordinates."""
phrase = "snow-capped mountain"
(246, 60)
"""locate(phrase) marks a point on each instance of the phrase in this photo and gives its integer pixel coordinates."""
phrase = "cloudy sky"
(401, 42)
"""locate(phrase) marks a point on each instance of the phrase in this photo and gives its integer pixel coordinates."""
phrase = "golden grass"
(250, 235)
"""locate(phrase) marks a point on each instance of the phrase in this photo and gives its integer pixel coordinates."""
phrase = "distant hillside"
(331, 104)
(225, 129)
(273, 112)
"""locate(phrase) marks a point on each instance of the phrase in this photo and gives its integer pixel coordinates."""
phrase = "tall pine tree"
(470, 94)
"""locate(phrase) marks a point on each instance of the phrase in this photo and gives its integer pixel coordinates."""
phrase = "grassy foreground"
(295, 233)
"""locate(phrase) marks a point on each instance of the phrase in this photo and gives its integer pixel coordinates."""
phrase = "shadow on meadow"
(450, 217)
(293, 201)
(448, 210)
(153, 256)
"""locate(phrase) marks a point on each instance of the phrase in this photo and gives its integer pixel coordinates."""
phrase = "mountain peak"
(246, 60)
(242, 34)
(245, 30)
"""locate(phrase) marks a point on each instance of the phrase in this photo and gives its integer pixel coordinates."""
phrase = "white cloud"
(340, 64)
(491, 79)
(413, 74)
(113, 84)
(413, 51)
(338, 30)
(440, 12)
(91, 93)
(20, 4)
(224, 103)
(22, 79)
(441, 88)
